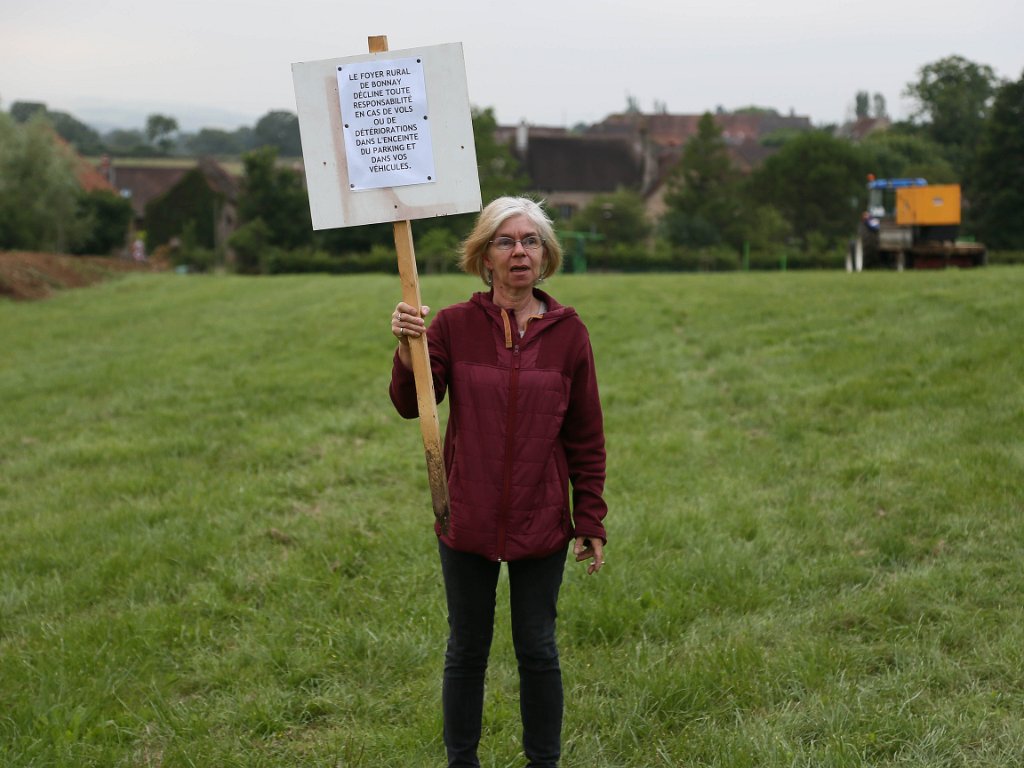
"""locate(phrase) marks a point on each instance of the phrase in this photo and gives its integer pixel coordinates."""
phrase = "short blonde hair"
(496, 213)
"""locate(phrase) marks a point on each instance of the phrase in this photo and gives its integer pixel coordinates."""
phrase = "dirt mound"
(25, 275)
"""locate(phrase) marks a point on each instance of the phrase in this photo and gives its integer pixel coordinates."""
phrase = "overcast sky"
(225, 63)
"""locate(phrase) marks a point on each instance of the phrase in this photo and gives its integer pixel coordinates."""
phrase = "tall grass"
(215, 544)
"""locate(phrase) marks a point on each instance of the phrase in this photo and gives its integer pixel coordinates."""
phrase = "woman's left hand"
(585, 548)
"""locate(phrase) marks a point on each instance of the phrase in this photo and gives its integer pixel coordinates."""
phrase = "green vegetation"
(43, 205)
(806, 199)
(217, 549)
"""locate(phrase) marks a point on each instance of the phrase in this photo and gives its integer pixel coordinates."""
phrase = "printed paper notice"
(386, 123)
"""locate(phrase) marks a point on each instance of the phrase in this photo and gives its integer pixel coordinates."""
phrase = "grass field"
(215, 543)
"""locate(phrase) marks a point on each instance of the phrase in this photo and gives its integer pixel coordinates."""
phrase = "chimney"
(106, 169)
(522, 138)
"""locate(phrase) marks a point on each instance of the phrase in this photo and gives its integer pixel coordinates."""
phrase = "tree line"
(161, 136)
(805, 201)
(801, 205)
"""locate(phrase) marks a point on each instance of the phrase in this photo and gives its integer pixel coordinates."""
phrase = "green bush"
(437, 250)
(249, 243)
(1006, 257)
(277, 261)
(190, 253)
(194, 258)
(381, 258)
(253, 255)
(662, 257)
(108, 216)
(715, 258)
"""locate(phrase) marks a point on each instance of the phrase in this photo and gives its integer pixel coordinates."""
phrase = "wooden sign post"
(425, 397)
(389, 137)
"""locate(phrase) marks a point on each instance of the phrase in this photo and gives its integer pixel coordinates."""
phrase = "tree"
(23, 111)
(861, 105)
(499, 170)
(83, 138)
(275, 195)
(703, 194)
(213, 141)
(878, 110)
(109, 216)
(816, 181)
(126, 142)
(279, 129)
(953, 98)
(160, 132)
(997, 188)
(892, 154)
(619, 217)
(766, 228)
(39, 192)
(251, 244)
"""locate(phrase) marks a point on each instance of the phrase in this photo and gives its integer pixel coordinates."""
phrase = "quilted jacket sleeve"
(583, 438)
(403, 382)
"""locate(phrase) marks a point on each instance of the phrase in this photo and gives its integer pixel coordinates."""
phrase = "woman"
(525, 422)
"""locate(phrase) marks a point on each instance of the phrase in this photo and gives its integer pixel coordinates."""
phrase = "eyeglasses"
(529, 243)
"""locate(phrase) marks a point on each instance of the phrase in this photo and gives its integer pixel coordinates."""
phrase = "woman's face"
(520, 267)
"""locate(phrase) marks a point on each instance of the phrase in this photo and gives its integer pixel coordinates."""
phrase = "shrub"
(277, 261)
(1006, 257)
(108, 216)
(249, 243)
(662, 257)
(437, 250)
(194, 258)
(188, 252)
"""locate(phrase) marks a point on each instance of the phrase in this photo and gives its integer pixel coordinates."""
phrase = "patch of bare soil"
(25, 276)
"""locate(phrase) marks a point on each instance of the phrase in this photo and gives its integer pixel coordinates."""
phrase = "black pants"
(470, 584)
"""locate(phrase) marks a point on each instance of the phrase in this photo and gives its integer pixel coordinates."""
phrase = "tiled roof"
(666, 130)
(89, 179)
(146, 182)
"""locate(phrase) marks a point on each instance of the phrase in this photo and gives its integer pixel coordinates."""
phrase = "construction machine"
(911, 224)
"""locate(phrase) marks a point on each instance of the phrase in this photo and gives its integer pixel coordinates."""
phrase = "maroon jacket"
(524, 421)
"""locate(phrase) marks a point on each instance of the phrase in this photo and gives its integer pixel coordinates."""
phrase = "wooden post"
(425, 397)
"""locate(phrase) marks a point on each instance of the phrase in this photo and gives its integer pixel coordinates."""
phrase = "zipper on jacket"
(510, 422)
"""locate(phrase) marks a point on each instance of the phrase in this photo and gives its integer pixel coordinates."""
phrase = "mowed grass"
(216, 546)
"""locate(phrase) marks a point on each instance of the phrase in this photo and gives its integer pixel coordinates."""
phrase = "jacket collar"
(555, 312)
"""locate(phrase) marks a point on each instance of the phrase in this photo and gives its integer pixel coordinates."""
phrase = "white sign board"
(386, 124)
(421, 165)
